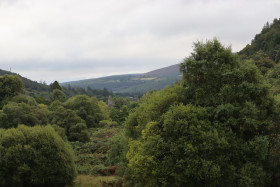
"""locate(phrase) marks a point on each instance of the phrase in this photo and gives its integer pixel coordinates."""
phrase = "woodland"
(218, 126)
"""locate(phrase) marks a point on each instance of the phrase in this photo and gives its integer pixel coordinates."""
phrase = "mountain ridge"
(132, 83)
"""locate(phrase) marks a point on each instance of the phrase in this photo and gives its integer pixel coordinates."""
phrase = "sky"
(67, 40)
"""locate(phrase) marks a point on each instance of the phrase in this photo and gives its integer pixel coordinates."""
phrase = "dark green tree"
(55, 85)
(78, 132)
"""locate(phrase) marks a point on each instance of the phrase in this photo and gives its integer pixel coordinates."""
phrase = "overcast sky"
(65, 40)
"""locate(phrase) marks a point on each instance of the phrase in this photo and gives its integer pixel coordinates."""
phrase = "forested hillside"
(268, 42)
(30, 85)
(218, 126)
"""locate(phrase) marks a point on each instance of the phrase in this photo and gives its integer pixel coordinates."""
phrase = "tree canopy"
(212, 130)
(10, 85)
(86, 107)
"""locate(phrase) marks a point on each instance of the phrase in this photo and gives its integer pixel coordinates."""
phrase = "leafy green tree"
(273, 77)
(60, 131)
(42, 100)
(214, 78)
(10, 85)
(263, 61)
(21, 98)
(35, 156)
(86, 107)
(180, 150)
(78, 132)
(213, 130)
(151, 107)
(119, 102)
(13, 114)
(74, 127)
(104, 110)
(57, 95)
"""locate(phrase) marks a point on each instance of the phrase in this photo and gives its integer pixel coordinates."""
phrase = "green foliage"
(119, 101)
(99, 93)
(55, 85)
(263, 61)
(108, 123)
(74, 127)
(57, 94)
(10, 85)
(98, 181)
(35, 156)
(104, 110)
(24, 99)
(119, 115)
(267, 41)
(121, 106)
(273, 77)
(91, 157)
(118, 149)
(14, 113)
(78, 132)
(212, 131)
(30, 86)
(151, 107)
(41, 100)
(181, 150)
(87, 108)
(60, 131)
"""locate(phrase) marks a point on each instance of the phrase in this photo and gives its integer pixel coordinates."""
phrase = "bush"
(35, 156)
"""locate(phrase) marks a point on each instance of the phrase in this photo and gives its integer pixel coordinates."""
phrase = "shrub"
(35, 156)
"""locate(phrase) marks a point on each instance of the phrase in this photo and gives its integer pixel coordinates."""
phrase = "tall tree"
(204, 133)
(55, 85)
(86, 107)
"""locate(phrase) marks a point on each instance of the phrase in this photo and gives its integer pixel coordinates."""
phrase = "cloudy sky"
(64, 40)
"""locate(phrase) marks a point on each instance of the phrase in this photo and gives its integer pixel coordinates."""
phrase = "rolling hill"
(133, 83)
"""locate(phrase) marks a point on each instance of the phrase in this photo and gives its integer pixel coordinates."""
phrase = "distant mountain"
(133, 83)
(30, 86)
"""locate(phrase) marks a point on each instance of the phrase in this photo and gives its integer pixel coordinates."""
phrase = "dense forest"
(218, 126)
